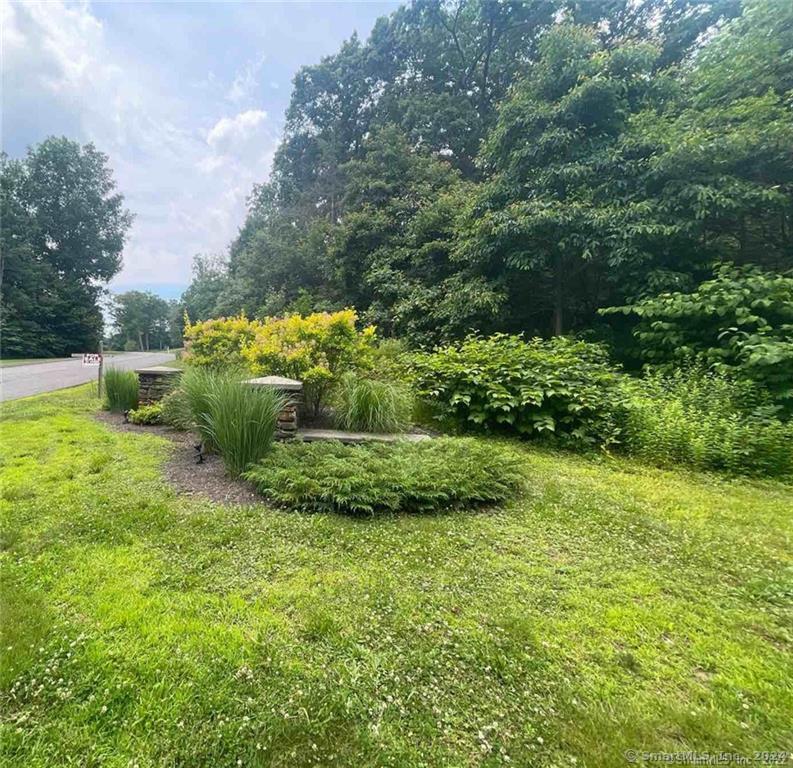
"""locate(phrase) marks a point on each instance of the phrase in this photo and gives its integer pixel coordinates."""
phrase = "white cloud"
(246, 81)
(186, 183)
(230, 133)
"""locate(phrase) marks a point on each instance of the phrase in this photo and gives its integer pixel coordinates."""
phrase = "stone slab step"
(314, 435)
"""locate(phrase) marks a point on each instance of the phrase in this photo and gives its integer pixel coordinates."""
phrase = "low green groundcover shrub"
(121, 390)
(370, 405)
(559, 387)
(146, 414)
(705, 421)
(234, 419)
(405, 476)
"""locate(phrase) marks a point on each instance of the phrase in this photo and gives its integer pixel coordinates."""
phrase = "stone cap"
(158, 369)
(276, 382)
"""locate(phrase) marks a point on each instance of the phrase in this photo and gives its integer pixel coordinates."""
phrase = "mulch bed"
(208, 479)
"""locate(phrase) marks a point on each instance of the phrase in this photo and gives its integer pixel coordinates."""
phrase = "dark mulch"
(208, 479)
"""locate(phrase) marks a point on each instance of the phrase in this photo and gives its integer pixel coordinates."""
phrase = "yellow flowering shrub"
(218, 342)
(316, 349)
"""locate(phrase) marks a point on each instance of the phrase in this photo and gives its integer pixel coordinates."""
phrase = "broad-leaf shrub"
(705, 421)
(558, 387)
(739, 322)
(146, 414)
(315, 349)
(121, 389)
(411, 477)
(218, 342)
(371, 405)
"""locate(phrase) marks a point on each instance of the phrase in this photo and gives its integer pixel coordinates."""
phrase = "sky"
(186, 99)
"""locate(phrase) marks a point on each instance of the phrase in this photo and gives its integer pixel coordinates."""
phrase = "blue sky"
(187, 100)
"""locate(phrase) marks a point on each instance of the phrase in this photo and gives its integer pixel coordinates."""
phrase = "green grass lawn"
(612, 607)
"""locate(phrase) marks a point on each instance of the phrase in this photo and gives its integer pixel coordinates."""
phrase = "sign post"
(94, 359)
(99, 372)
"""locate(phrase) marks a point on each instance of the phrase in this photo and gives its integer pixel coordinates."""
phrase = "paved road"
(24, 380)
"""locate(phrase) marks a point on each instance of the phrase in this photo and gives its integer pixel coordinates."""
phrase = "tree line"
(519, 166)
(62, 231)
(475, 165)
(63, 226)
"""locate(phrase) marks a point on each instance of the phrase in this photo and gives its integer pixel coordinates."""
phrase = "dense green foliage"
(121, 389)
(146, 414)
(176, 410)
(405, 476)
(561, 388)
(63, 231)
(199, 300)
(218, 343)
(741, 322)
(142, 321)
(705, 421)
(515, 167)
(315, 349)
(371, 405)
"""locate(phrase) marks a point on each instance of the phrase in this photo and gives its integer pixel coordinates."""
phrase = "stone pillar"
(292, 390)
(155, 382)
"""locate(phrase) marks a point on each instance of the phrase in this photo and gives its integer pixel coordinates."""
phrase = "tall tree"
(209, 280)
(490, 164)
(142, 318)
(556, 212)
(63, 232)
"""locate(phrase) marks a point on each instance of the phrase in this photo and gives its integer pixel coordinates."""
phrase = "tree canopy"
(518, 166)
(142, 321)
(63, 231)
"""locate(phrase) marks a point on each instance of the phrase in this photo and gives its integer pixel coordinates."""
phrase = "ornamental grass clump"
(176, 410)
(233, 418)
(197, 384)
(369, 405)
(426, 476)
(121, 390)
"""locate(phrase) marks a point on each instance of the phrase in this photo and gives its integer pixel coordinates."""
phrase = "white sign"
(92, 359)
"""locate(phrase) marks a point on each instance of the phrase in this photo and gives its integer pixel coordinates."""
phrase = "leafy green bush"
(405, 476)
(370, 405)
(233, 418)
(705, 421)
(558, 387)
(739, 322)
(121, 389)
(176, 410)
(146, 414)
(391, 360)
(218, 342)
(316, 349)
